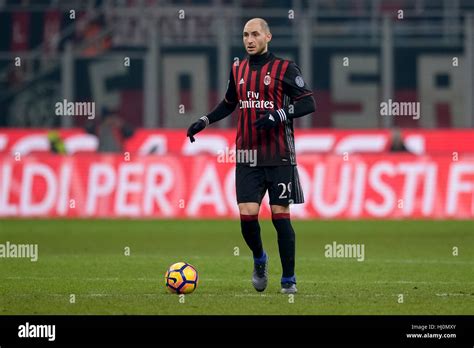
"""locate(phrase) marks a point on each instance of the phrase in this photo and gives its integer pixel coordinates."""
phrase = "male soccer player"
(270, 93)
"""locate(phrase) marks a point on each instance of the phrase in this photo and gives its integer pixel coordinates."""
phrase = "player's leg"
(251, 228)
(286, 246)
(250, 188)
(285, 190)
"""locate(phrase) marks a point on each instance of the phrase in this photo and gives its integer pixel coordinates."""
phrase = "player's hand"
(267, 121)
(195, 128)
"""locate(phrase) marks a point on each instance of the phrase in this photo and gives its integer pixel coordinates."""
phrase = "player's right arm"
(222, 110)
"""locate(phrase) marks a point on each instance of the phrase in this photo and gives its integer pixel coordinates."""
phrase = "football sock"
(261, 259)
(251, 232)
(288, 280)
(286, 243)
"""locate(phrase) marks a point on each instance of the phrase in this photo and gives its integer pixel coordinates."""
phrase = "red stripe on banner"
(376, 141)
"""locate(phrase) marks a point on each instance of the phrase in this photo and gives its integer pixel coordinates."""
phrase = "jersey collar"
(261, 59)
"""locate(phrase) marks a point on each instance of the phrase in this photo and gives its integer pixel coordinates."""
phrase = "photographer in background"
(397, 144)
(112, 131)
(56, 144)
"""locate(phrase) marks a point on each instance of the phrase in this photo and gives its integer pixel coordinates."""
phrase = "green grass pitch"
(86, 258)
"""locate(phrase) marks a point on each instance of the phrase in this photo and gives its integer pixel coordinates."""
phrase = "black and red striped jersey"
(265, 83)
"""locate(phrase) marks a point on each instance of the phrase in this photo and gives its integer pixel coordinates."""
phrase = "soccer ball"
(181, 278)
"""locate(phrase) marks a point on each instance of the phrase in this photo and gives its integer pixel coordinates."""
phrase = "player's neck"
(260, 58)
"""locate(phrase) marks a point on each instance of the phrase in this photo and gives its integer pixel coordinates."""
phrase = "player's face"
(255, 38)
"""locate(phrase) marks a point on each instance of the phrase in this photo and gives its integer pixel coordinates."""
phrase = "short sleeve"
(293, 83)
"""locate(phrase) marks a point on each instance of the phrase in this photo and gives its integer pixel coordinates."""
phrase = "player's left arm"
(299, 92)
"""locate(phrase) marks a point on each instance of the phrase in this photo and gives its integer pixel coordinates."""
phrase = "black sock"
(286, 243)
(251, 232)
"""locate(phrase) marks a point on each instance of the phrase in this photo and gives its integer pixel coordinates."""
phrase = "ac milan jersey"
(262, 84)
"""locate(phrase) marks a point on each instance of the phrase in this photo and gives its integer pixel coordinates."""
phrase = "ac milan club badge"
(267, 80)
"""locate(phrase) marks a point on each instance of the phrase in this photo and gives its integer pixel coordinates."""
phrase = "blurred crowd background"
(161, 64)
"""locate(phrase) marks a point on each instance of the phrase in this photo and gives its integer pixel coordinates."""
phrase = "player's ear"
(269, 37)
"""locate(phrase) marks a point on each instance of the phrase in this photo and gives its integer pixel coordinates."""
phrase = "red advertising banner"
(25, 141)
(309, 141)
(163, 142)
(357, 186)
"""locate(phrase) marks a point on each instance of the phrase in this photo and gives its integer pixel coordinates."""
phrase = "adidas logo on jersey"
(241, 81)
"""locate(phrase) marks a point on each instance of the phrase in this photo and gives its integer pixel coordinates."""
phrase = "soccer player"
(270, 93)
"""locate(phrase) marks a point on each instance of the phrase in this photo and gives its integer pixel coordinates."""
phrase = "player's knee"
(249, 208)
(280, 209)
